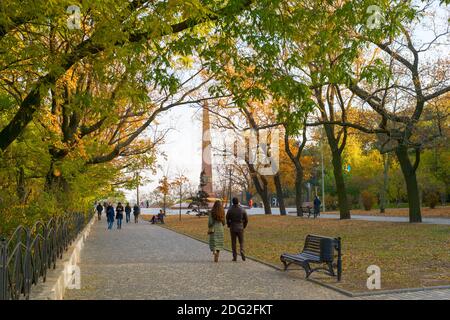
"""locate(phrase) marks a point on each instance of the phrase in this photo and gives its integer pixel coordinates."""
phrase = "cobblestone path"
(143, 261)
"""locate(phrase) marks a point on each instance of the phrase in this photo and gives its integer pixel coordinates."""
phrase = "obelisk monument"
(206, 174)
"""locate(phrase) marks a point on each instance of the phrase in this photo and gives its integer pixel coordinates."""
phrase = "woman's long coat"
(215, 238)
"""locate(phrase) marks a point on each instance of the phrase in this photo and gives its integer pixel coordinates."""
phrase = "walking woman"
(216, 222)
(110, 216)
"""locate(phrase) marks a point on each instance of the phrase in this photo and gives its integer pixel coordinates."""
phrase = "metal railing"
(29, 252)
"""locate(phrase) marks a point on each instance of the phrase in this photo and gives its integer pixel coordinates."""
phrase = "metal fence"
(27, 255)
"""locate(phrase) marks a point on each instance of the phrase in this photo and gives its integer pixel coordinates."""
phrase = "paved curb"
(323, 284)
(58, 279)
(397, 291)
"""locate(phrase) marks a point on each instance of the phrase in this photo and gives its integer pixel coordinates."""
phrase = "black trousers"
(239, 235)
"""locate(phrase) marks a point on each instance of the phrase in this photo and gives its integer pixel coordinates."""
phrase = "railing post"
(3, 269)
(27, 270)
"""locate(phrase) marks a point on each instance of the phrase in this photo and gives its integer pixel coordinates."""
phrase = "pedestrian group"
(117, 213)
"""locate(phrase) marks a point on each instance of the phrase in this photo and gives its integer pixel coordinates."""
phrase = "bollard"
(339, 261)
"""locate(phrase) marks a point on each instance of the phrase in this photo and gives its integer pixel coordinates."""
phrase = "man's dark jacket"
(237, 219)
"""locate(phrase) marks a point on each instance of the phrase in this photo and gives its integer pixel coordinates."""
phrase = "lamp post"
(229, 187)
(179, 181)
(137, 187)
(323, 176)
(180, 202)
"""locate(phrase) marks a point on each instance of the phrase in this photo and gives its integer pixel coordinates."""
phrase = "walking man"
(317, 204)
(110, 216)
(127, 212)
(99, 211)
(136, 212)
(237, 221)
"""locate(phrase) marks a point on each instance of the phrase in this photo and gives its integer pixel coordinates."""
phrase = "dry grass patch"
(409, 255)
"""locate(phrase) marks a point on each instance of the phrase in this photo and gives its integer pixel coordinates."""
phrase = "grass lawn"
(438, 212)
(409, 255)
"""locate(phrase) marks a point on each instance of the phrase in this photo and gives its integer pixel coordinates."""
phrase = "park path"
(143, 261)
(292, 212)
(443, 221)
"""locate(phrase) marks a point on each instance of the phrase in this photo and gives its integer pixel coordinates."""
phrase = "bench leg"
(330, 268)
(286, 264)
(307, 270)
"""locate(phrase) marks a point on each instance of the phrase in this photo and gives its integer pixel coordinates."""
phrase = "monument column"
(206, 175)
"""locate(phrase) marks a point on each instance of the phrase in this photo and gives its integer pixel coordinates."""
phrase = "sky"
(182, 147)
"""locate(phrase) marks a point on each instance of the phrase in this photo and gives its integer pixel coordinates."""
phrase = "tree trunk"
(164, 203)
(336, 160)
(409, 174)
(263, 193)
(266, 202)
(344, 211)
(23, 116)
(21, 189)
(298, 192)
(55, 182)
(383, 194)
(261, 187)
(277, 181)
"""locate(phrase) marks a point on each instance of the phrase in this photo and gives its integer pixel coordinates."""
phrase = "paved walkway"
(149, 262)
(143, 261)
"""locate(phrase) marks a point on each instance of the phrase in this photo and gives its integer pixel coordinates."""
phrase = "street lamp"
(229, 187)
(179, 181)
(323, 176)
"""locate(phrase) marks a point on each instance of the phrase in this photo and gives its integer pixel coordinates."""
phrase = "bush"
(353, 202)
(431, 199)
(368, 199)
(331, 202)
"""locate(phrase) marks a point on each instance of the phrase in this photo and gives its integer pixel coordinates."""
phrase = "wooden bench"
(202, 213)
(306, 210)
(317, 250)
